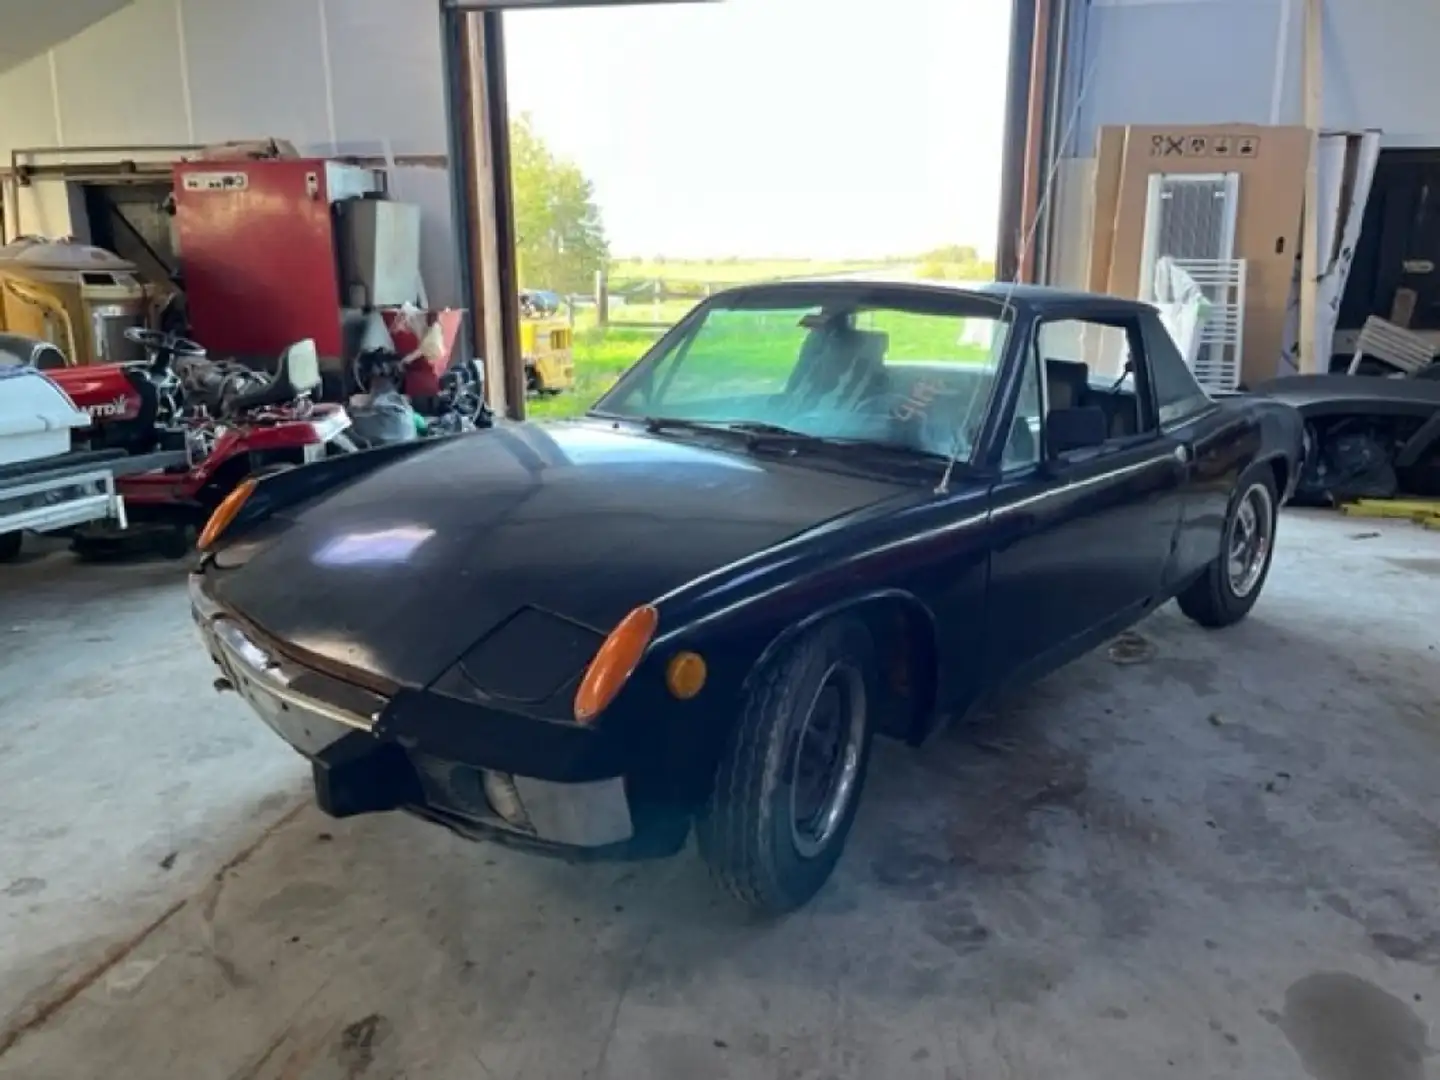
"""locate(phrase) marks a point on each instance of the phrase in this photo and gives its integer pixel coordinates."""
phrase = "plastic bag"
(383, 418)
(1184, 307)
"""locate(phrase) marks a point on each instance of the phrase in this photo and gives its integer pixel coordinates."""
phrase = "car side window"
(1178, 396)
(1091, 364)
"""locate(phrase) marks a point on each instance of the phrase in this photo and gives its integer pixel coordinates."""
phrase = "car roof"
(1037, 299)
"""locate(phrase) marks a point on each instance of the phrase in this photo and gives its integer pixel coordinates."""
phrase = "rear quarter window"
(1178, 396)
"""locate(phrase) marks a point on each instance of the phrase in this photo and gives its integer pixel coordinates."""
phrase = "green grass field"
(600, 358)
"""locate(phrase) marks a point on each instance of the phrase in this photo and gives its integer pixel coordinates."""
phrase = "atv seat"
(298, 375)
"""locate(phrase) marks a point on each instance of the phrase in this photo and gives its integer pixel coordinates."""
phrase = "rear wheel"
(10, 545)
(1229, 587)
(789, 780)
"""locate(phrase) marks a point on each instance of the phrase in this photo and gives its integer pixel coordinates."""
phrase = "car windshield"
(911, 374)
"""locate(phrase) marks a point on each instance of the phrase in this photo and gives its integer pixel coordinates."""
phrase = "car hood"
(400, 572)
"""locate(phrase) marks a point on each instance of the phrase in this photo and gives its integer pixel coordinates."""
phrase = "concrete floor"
(1220, 860)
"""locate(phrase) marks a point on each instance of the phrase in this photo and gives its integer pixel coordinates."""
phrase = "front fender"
(750, 635)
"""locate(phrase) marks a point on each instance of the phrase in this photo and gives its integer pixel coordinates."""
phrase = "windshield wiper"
(759, 434)
(749, 428)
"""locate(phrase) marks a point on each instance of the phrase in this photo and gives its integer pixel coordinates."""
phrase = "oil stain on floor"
(1347, 1028)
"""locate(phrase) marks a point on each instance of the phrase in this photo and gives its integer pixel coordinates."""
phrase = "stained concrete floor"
(1220, 860)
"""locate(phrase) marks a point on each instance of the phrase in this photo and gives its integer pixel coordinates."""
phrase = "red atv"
(230, 420)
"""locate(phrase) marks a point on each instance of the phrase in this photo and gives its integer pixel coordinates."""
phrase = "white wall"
(342, 76)
(1220, 61)
(1240, 61)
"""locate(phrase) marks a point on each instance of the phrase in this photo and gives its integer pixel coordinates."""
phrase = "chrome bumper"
(587, 815)
(266, 683)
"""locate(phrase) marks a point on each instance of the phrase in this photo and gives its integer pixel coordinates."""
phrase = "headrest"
(301, 365)
(1066, 382)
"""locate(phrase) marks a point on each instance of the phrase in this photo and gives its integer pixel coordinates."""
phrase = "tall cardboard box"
(1271, 165)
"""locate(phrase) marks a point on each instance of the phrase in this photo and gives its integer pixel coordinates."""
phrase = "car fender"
(1282, 444)
(743, 644)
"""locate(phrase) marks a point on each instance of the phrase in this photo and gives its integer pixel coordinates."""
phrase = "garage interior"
(1188, 854)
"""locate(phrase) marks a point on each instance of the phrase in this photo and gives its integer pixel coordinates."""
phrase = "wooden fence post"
(602, 299)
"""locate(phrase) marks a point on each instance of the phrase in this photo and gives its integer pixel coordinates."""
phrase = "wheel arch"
(1280, 467)
(906, 649)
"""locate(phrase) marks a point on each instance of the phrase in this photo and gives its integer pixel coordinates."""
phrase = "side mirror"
(1075, 429)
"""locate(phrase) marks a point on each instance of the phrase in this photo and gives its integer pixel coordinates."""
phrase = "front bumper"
(358, 769)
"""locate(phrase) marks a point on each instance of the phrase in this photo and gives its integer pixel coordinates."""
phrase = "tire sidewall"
(807, 663)
(1255, 476)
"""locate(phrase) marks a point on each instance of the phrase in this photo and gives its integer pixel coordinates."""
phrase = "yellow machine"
(80, 298)
(548, 348)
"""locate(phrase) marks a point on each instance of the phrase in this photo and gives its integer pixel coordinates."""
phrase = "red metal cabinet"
(258, 246)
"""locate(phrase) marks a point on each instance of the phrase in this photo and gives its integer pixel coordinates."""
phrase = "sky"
(821, 129)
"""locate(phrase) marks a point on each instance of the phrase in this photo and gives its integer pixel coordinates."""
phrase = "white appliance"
(36, 416)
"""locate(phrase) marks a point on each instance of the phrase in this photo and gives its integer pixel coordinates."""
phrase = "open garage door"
(473, 46)
(838, 127)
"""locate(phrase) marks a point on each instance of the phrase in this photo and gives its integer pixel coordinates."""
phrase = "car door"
(1082, 540)
(1216, 443)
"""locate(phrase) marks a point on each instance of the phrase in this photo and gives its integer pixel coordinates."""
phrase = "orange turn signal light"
(225, 513)
(685, 675)
(616, 661)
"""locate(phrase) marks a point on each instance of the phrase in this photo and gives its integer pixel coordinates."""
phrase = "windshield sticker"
(916, 403)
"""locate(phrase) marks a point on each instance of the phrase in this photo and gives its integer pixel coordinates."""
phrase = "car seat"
(1067, 383)
(839, 367)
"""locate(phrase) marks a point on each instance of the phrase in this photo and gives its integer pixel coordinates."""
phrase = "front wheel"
(789, 779)
(1229, 587)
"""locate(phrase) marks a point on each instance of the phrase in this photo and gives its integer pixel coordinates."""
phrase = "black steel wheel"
(789, 780)
(1229, 587)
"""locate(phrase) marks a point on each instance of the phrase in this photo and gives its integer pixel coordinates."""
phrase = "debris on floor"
(1131, 648)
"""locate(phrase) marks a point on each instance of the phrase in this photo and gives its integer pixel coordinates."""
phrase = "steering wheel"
(162, 344)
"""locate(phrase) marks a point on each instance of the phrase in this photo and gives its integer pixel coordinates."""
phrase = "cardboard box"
(1271, 165)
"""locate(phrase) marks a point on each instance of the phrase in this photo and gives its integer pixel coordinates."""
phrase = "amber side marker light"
(685, 675)
(225, 513)
(615, 662)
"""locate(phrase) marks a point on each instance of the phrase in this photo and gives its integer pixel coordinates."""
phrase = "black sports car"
(813, 513)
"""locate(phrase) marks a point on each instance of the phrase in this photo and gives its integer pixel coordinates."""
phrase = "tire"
(769, 841)
(176, 543)
(1220, 597)
(10, 545)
